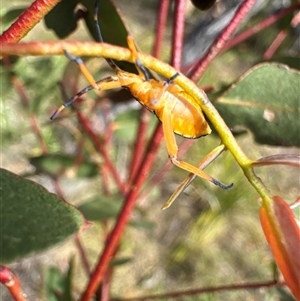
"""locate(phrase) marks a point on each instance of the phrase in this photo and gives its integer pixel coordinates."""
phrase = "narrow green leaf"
(120, 261)
(61, 19)
(32, 219)
(266, 101)
(11, 15)
(142, 224)
(291, 61)
(55, 164)
(58, 285)
(101, 207)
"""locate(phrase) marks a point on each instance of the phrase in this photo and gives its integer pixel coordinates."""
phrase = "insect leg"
(216, 152)
(89, 77)
(107, 83)
(143, 72)
(173, 150)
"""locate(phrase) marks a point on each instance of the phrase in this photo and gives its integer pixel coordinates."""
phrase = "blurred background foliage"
(209, 236)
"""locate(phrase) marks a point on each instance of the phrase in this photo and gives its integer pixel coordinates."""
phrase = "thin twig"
(260, 26)
(160, 28)
(98, 145)
(215, 289)
(11, 281)
(178, 31)
(122, 220)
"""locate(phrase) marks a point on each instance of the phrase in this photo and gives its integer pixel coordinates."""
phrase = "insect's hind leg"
(173, 150)
(143, 72)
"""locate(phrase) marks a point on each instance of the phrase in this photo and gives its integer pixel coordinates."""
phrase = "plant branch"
(97, 143)
(11, 281)
(161, 25)
(178, 31)
(119, 53)
(215, 289)
(27, 20)
(122, 220)
(260, 26)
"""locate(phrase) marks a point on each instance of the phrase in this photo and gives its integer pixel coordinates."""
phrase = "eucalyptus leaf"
(265, 100)
(32, 219)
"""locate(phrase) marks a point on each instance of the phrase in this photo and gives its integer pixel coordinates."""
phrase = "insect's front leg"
(107, 83)
(86, 73)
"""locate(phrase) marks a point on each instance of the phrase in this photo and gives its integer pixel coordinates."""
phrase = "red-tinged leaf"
(279, 159)
(283, 236)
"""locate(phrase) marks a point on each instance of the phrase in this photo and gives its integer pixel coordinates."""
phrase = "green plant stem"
(123, 54)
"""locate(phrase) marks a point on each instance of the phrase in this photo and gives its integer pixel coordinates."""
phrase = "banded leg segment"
(86, 73)
(143, 72)
(107, 83)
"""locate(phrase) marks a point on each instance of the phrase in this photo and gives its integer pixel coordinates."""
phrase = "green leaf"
(126, 125)
(265, 100)
(12, 15)
(101, 207)
(120, 261)
(56, 164)
(32, 219)
(113, 28)
(142, 224)
(61, 19)
(291, 61)
(58, 285)
(284, 294)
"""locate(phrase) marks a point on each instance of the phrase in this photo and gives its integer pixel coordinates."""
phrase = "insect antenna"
(99, 37)
(139, 65)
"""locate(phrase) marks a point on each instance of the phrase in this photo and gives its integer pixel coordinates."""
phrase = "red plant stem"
(222, 39)
(83, 255)
(296, 19)
(25, 102)
(57, 187)
(79, 246)
(34, 123)
(27, 20)
(275, 44)
(178, 31)
(107, 134)
(98, 145)
(160, 28)
(116, 234)
(104, 289)
(260, 26)
(11, 281)
(140, 142)
(216, 289)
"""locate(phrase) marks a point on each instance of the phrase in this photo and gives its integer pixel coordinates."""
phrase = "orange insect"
(177, 110)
